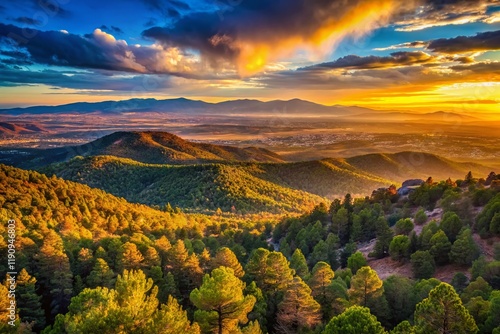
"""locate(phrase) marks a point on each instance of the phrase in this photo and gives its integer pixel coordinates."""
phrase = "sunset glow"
(377, 54)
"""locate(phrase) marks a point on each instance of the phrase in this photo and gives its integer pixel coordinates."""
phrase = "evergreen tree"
(101, 275)
(355, 320)
(365, 286)
(440, 247)
(55, 273)
(28, 304)
(131, 258)
(423, 264)
(220, 302)
(151, 258)
(278, 273)
(356, 261)
(384, 237)
(443, 312)
(257, 265)
(172, 319)
(321, 278)
(451, 225)
(340, 224)
(464, 250)
(226, 258)
(420, 217)
(399, 294)
(298, 309)
(477, 288)
(299, 264)
(128, 308)
(171, 286)
(493, 320)
(403, 226)
(259, 310)
(403, 327)
(399, 248)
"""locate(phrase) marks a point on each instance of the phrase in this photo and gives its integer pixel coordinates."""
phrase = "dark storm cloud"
(357, 62)
(480, 42)
(111, 29)
(28, 21)
(58, 48)
(169, 8)
(98, 50)
(78, 80)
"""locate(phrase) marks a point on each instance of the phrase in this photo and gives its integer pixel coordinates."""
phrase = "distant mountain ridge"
(184, 105)
(242, 107)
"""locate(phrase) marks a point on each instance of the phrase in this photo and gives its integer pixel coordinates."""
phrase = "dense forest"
(90, 262)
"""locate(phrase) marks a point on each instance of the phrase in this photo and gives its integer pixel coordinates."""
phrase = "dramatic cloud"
(168, 8)
(111, 29)
(28, 21)
(434, 13)
(394, 60)
(409, 45)
(253, 33)
(481, 42)
(100, 50)
(85, 80)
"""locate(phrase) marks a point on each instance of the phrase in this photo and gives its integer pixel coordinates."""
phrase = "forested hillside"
(147, 147)
(92, 263)
(244, 187)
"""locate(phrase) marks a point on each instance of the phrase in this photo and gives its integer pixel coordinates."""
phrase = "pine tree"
(172, 319)
(28, 304)
(399, 248)
(423, 264)
(464, 250)
(101, 275)
(226, 258)
(55, 273)
(298, 309)
(440, 247)
(365, 286)
(171, 286)
(220, 302)
(299, 264)
(131, 258)
(451, 225)
(384, 237)
(278, 273)
(257, 265)
(321, 278)
(443, 312)
(356, 261)
(131, 307)
(151, 258)
(355, 320)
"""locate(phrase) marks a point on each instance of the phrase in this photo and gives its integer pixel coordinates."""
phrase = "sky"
(421, 55)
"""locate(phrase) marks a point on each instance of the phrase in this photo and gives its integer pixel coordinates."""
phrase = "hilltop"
(14, 129)
(251, 186)
(146, 147)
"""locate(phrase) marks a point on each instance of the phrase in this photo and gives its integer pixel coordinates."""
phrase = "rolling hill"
(252, 186)
(146, 147)
(14, 129)
(191, 187)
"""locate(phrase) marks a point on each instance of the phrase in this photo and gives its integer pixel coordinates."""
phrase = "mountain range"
(244, 107)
